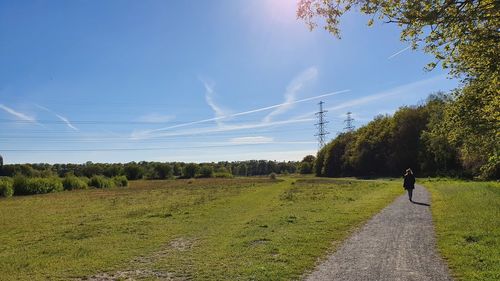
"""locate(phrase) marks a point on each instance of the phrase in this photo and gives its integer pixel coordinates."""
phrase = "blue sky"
(195, 81)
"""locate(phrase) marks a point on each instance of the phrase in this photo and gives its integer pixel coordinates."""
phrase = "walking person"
(409, 183)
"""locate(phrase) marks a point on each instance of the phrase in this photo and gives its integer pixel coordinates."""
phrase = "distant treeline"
(160, 170)
(424, 138)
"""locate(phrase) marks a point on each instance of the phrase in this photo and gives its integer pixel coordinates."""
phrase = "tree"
(306, 168)
(163, 170)
(1, 162)
(133, 171)
(177, 169)
(207, 171)
(463, 36)
(190, 170)
(309, 159)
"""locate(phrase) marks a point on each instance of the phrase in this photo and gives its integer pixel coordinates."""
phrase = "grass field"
(213, 229)
(467, 220)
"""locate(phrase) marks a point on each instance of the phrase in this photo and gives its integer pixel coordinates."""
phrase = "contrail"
(18, 114)
(62, 118)
(399, 52)
(248, 112)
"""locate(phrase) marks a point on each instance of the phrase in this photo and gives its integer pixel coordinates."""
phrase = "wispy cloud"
(17, 114)
(60, 117)
(397, 91)
(258, 139)
(227, 128)
(417, 86)
(292, 90)
(155, 118)
(209, 98)
(398, 52)
(150, 133)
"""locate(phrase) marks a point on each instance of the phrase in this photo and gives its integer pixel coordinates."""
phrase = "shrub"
(101, 182)
(120, 181)
(6, 187)
(272, 176)
(85, 179)
(71, 182)
(206, 172)
(223, 175)
(28, 186)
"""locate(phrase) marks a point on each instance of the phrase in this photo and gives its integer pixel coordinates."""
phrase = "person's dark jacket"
(409, 182)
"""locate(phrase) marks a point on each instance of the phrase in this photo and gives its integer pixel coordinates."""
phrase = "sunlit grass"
(467, 220)
(209, 229)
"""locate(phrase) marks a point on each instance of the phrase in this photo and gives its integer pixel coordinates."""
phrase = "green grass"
(467, 221)
(204, 229)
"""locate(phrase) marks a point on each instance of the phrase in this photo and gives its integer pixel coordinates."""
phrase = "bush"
(223, 175)
(101, 182)
(28, 186)
(206, 172)
(120, 181)
(6, 187)
(85, 179)
(272, 176)
(71, 182)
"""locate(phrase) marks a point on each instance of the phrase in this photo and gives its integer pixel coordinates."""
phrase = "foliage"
(163, 170)
(309, 159)
(71, 182)
(120, 181)
(101, 182)
(190, 170)
(417, 137)
(149, 170)
(463, 36)
(133, 171)
(6, 187)
(206, 171)
(306, 168)
(27, 186)
(474, 124)
(272, 176)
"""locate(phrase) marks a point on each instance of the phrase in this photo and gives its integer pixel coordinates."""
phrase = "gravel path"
(396, 244)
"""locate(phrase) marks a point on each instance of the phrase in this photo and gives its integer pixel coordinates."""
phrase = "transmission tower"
(349, 126)
(321, 125)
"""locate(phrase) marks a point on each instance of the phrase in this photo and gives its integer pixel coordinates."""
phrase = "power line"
(152, 148)
(321, 125)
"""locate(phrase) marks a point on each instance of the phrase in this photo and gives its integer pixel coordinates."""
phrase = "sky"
(192, 81)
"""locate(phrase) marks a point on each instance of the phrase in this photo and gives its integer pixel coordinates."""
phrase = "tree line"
(159, 170)
(416, 137)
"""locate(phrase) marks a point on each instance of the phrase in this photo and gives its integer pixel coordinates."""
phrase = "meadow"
(467, 221)
(201, 229)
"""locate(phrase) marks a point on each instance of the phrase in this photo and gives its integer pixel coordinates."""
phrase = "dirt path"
(396, 244)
